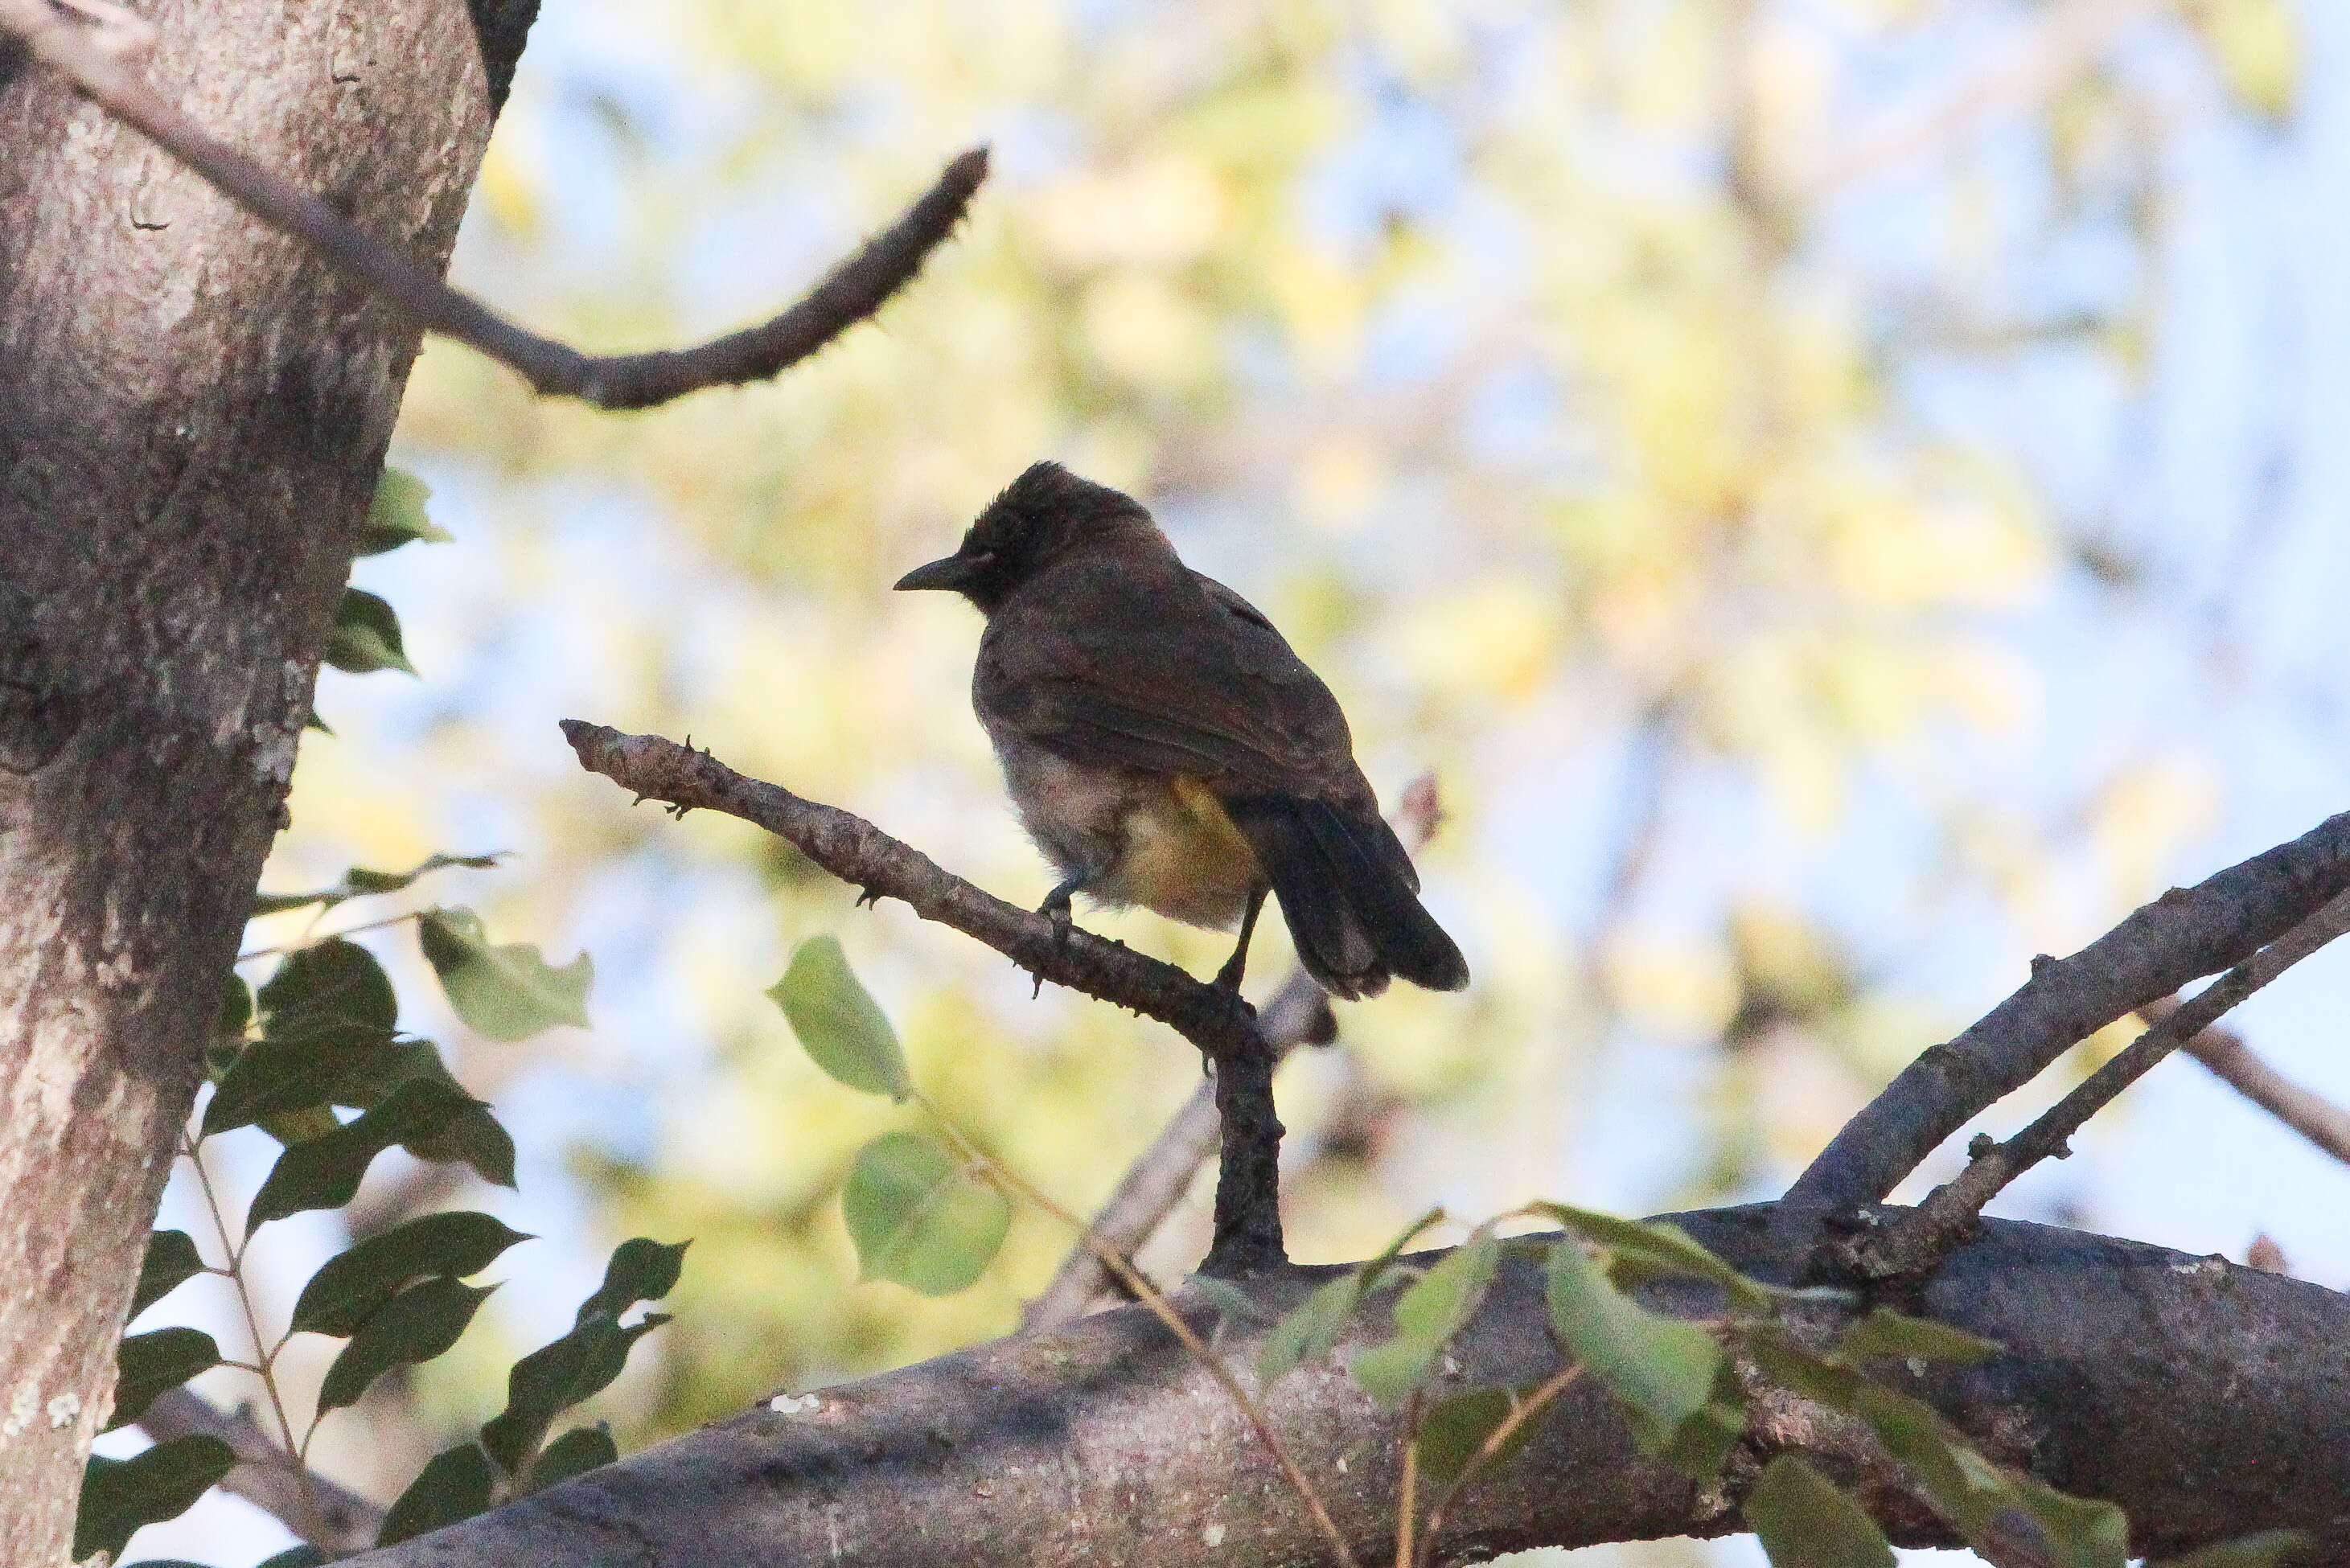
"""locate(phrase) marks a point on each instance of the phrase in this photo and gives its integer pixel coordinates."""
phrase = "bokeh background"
(1845, 495)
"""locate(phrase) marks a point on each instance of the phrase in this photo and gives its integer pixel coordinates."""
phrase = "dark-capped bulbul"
(1166, 748)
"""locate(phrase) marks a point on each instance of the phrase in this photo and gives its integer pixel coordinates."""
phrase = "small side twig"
(105, 68)
(1222, 1026)
(266, 1476)
(1922, 1237)
(1298, 1013)
(2235, 1064)
(306, 1493)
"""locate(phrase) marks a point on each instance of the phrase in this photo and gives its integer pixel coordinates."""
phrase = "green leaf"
(577, 1451)
(118, 1496)
(455, 1484)
(1435, 1307)
(1989, 1505)
(1665, 1371)
(333, 990)
(286, 1086)
(236, 1010)
(147, 1363)
(559, 1375)
(325, 1172)
(1642, 1249)
(1885, 1332)
(839, 1025)
(640, 1270)
(417, 1324)
(365, 636)
(1310, 1331)
(397, 516)
(350, 1287)
(171, 1260)
(2268, 1549)
(1232, 1303)
(1452, 1430)
(919, 1216)
(303, 1556)
(358, 882)
(508, 991)
(1803, 1522)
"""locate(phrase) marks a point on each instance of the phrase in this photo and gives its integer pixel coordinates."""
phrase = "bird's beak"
(951, 572)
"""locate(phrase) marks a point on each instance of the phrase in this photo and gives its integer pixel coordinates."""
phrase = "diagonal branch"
(2224, 1053)
(1298, 1014)
(1952, 1211)
(1223, 1027)
(331, 1518)
(106, 72)
(2184, 934)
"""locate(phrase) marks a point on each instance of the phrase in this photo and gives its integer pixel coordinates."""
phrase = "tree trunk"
(194, 412)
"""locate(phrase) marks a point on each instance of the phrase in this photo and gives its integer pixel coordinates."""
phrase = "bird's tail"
(1350, 896)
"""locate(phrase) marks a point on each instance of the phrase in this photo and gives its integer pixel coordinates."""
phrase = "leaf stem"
(1407, 1503)
(1534, 1405)
(312, 1517)
(1160, 1308)
(310, 940)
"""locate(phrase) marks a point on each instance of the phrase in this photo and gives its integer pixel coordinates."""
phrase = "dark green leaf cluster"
(365, 634)
(319, 1039)
(512, 1455)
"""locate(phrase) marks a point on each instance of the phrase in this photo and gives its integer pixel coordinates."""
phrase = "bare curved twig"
(1223, 1027)
(101, 62)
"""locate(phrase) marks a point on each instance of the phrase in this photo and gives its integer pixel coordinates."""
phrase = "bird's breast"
(1183, 857)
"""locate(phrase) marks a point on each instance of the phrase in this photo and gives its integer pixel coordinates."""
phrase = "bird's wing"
(1162, 669)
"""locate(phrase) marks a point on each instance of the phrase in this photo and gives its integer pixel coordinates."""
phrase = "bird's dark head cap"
(1041, 516)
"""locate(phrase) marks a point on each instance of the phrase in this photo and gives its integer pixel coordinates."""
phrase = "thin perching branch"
(1298, 1014)
(101, 63)
(2183, 935)
(1223, 1027)
(1926, 1235)
(266, 1476)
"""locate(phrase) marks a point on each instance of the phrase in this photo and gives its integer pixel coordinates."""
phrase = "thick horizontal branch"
(854, 291)
(328, 1516)
(2180, 936)
(2207, 1400)
(1216, 1021)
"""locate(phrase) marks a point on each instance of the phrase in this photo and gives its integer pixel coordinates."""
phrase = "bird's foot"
(1055, 908)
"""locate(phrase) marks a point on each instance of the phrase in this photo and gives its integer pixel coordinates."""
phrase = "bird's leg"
(1056, 907)
(1228, 977)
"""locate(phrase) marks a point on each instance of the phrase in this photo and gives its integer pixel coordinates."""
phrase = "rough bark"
(2207, 1400)
(192, 414)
